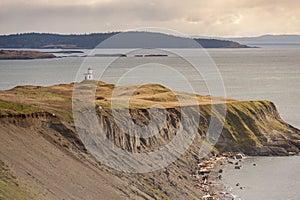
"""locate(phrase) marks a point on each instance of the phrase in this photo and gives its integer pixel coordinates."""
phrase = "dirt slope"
(48, 169)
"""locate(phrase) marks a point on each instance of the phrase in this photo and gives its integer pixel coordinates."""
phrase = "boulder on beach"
(207, 197)
(239, 156)
(204, 171)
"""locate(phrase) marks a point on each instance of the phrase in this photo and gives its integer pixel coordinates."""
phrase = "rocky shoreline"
(209, 175)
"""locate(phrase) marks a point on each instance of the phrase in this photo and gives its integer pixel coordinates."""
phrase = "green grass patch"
(16, 108)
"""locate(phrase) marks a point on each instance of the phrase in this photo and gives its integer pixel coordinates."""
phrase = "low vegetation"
(22, 54)
(7, 107)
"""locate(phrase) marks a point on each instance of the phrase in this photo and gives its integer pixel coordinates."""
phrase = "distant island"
(66, 51)
(14, 54)
(33, 54)
(90, 41)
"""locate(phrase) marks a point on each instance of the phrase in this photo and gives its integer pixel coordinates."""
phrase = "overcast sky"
(225, 18)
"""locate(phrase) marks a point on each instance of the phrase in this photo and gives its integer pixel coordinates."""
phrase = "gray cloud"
(206, 17)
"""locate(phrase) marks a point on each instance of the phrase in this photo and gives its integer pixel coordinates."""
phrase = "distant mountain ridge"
(269, 39)
(89, 41)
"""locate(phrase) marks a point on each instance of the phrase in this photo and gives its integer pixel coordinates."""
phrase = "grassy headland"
(40, 143)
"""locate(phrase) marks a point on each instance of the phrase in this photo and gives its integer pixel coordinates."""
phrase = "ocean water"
(272, 178)
(268, 73)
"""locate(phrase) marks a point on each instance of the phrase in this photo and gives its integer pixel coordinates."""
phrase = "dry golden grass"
(58, 98)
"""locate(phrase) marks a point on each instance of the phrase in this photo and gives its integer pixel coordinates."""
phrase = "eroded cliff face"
(251, 127)
(44, 154)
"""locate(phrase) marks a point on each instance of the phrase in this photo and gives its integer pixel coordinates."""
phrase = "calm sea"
(268, 73)
(272, 178)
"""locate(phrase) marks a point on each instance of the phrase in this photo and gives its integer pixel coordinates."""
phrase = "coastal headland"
(42, 156)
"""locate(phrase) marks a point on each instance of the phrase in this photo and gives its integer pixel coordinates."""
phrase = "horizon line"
(188, 35)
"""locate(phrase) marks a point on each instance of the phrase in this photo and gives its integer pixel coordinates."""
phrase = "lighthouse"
(89, 74)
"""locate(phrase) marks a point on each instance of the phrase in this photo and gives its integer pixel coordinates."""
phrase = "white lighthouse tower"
(89, 74)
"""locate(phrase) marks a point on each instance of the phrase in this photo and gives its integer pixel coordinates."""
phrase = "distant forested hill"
(89, 41)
